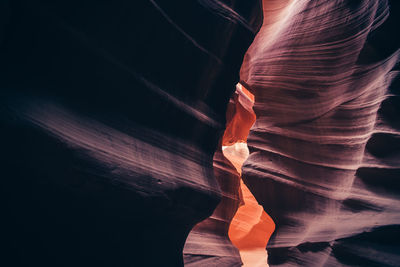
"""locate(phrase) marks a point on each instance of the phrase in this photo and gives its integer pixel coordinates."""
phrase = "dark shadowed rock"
(110, 115)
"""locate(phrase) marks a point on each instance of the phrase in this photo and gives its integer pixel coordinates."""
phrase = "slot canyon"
(200, 133)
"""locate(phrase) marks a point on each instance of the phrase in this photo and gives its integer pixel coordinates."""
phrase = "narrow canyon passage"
(251, 226)
(322, 80)
(238, 215)
(220, 133)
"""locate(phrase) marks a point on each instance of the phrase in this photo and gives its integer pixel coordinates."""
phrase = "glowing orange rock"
(238, 214)
(240, 117)
(251, 227)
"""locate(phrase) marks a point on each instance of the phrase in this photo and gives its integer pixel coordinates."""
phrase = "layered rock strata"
(318, 162)
(238, 222)
(111, 112)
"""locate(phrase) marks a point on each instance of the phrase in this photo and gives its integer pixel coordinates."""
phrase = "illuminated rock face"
(208, 242)
(318, 84)
(111, 112)
(238, 222)
(251, 227)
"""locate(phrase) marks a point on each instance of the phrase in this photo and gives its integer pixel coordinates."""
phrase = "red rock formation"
(249, 226)
(208, 241)
(111, 112)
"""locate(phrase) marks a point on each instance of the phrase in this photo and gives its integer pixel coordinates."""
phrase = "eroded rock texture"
(110, 115)
(323, 161)
(111, 112)
(238, 222)
(208, 243)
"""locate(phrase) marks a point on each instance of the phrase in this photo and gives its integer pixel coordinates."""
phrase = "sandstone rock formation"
(112, 133)
(317, 159)
(238, 222)
(110, 115)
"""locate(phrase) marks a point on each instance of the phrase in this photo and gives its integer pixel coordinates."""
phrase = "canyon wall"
(111, 112)
(323, 160)
(112, 120)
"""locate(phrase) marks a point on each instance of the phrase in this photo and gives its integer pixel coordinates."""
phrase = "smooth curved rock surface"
(209, 239)
(237, 233)
(322, 158)
(111, 112)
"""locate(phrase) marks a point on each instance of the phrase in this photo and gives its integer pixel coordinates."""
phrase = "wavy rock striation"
(238, 219)
(323, 160)
(111, 112)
